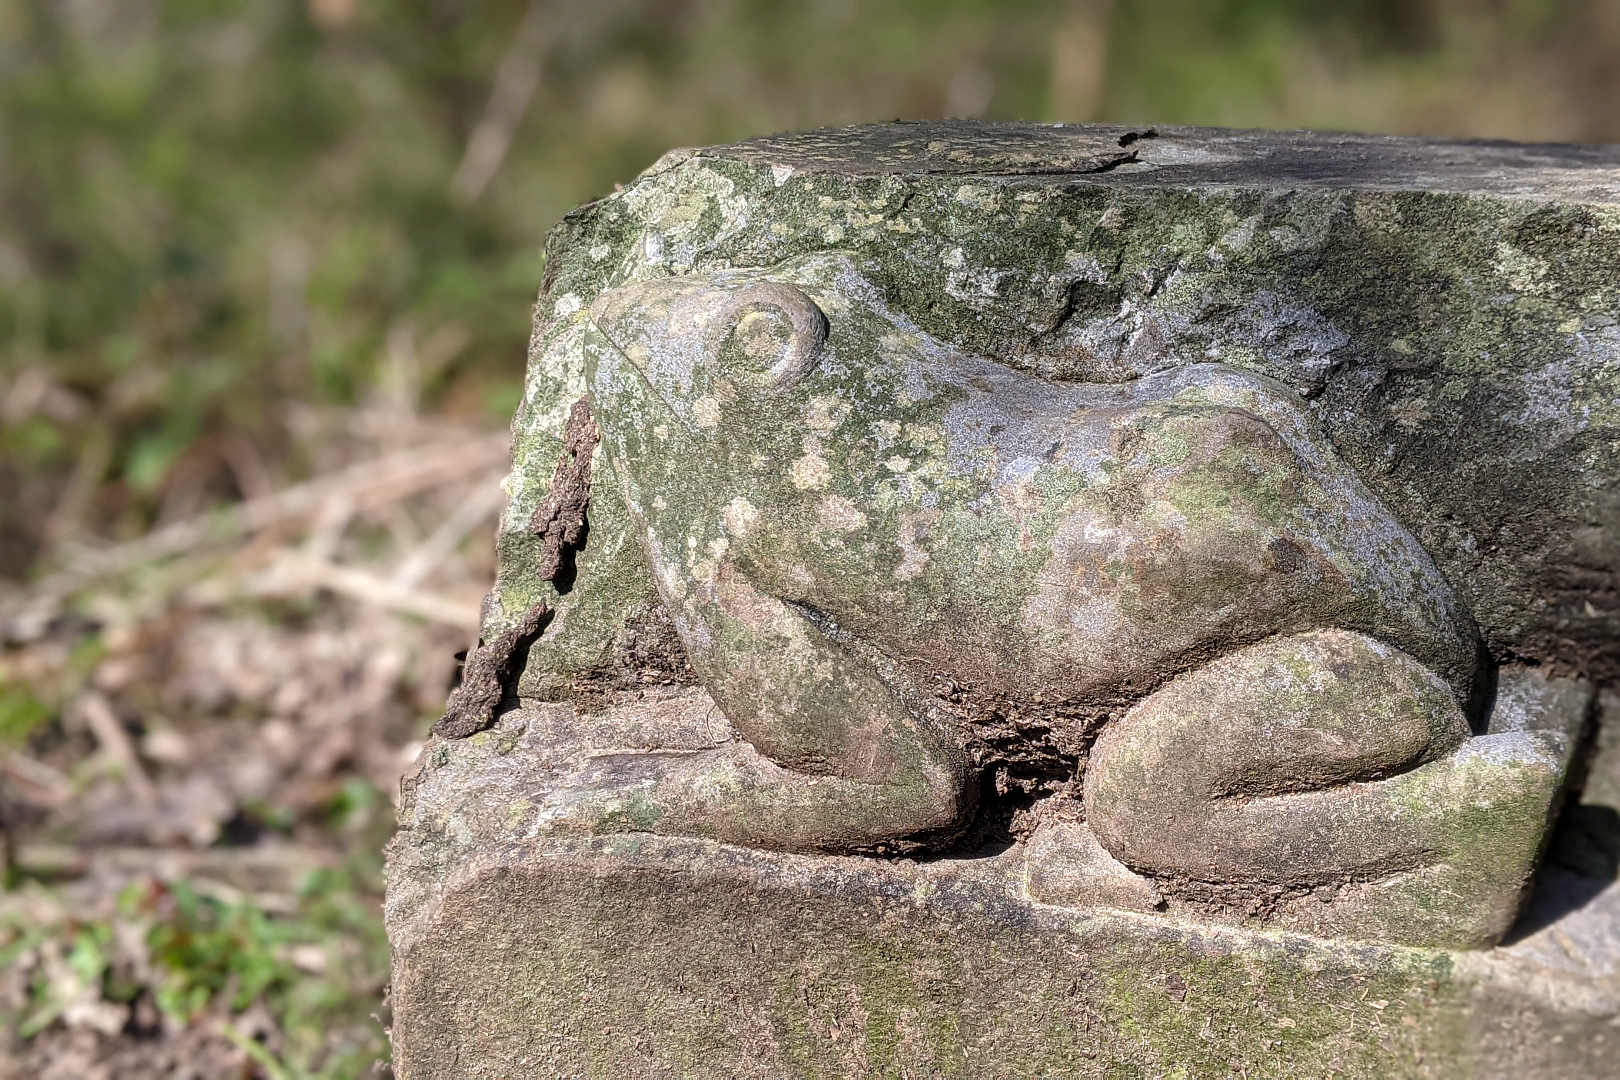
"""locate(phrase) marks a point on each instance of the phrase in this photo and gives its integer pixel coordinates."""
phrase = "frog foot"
(1065, 866)
(736, 795)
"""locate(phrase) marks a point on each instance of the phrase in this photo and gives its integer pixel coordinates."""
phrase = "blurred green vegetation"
(317, 969)
(219, 215)
(210, 209)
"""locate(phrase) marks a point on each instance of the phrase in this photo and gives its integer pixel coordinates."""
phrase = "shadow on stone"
(1584, 859)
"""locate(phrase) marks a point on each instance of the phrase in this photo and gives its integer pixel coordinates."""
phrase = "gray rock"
(1029, 557)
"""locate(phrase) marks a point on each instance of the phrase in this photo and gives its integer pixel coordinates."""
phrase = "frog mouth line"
(626, 364)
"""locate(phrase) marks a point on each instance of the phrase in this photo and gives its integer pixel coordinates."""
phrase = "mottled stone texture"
(1348, 412)
(1448, 309)
(523, 954)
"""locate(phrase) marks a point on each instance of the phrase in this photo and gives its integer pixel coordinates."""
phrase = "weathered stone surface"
(839, 512)
(1449, 310)
(520, 953)
(951, 473)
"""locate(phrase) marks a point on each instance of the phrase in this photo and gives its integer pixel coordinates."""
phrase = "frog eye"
(778, 331)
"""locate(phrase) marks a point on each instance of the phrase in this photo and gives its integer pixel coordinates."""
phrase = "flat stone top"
(1196, 157)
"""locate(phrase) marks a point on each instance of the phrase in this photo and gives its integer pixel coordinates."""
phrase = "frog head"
(686, 347)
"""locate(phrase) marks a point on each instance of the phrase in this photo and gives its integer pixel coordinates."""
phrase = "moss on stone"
(1459, 349)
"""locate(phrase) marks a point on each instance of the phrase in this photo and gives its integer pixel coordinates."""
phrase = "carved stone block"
(987, 573)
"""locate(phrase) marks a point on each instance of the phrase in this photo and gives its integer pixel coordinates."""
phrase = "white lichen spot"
(668, 572)
(898, 464)
(839, 513)
(974, 285)
(1286, 237)
(810, 472)
(1021, 497)
(1240, 236)
(706, 412)
(739, 518)
(1167, 516)
(566, 305)
(1524, 273)
(912, 534)
(762, 336)
(781, 174)
(954, 259)
(1112, 218)
(660, 431)
(600, 252)
(825, 412)
(979, 196)
(1411, 413)
(1549, 398)
(1085, 267)
(705, 567)
(833, 234)
(1377, 215)
(704, 572)
(889, 429)
(1099, 618)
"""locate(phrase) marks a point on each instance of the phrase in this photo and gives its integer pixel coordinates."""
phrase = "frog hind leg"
(1335, 774)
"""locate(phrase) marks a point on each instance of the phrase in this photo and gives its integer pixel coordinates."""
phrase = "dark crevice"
(1112, 163)
(491, 668)
(1583, 851)
(485, 675)
(559, 520)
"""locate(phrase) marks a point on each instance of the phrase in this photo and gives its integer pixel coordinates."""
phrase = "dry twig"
(115, 743)
(515, 83)
(484, 501)
(368, 484)
(296, 573)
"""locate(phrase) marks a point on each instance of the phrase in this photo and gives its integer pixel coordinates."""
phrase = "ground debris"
(203, 737)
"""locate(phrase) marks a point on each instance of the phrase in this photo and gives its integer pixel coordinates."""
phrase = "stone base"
(522, 954)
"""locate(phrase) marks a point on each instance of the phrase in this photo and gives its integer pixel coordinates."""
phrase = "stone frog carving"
(831, 502)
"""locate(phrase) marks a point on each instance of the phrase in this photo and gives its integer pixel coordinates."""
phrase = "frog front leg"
(835, 760)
